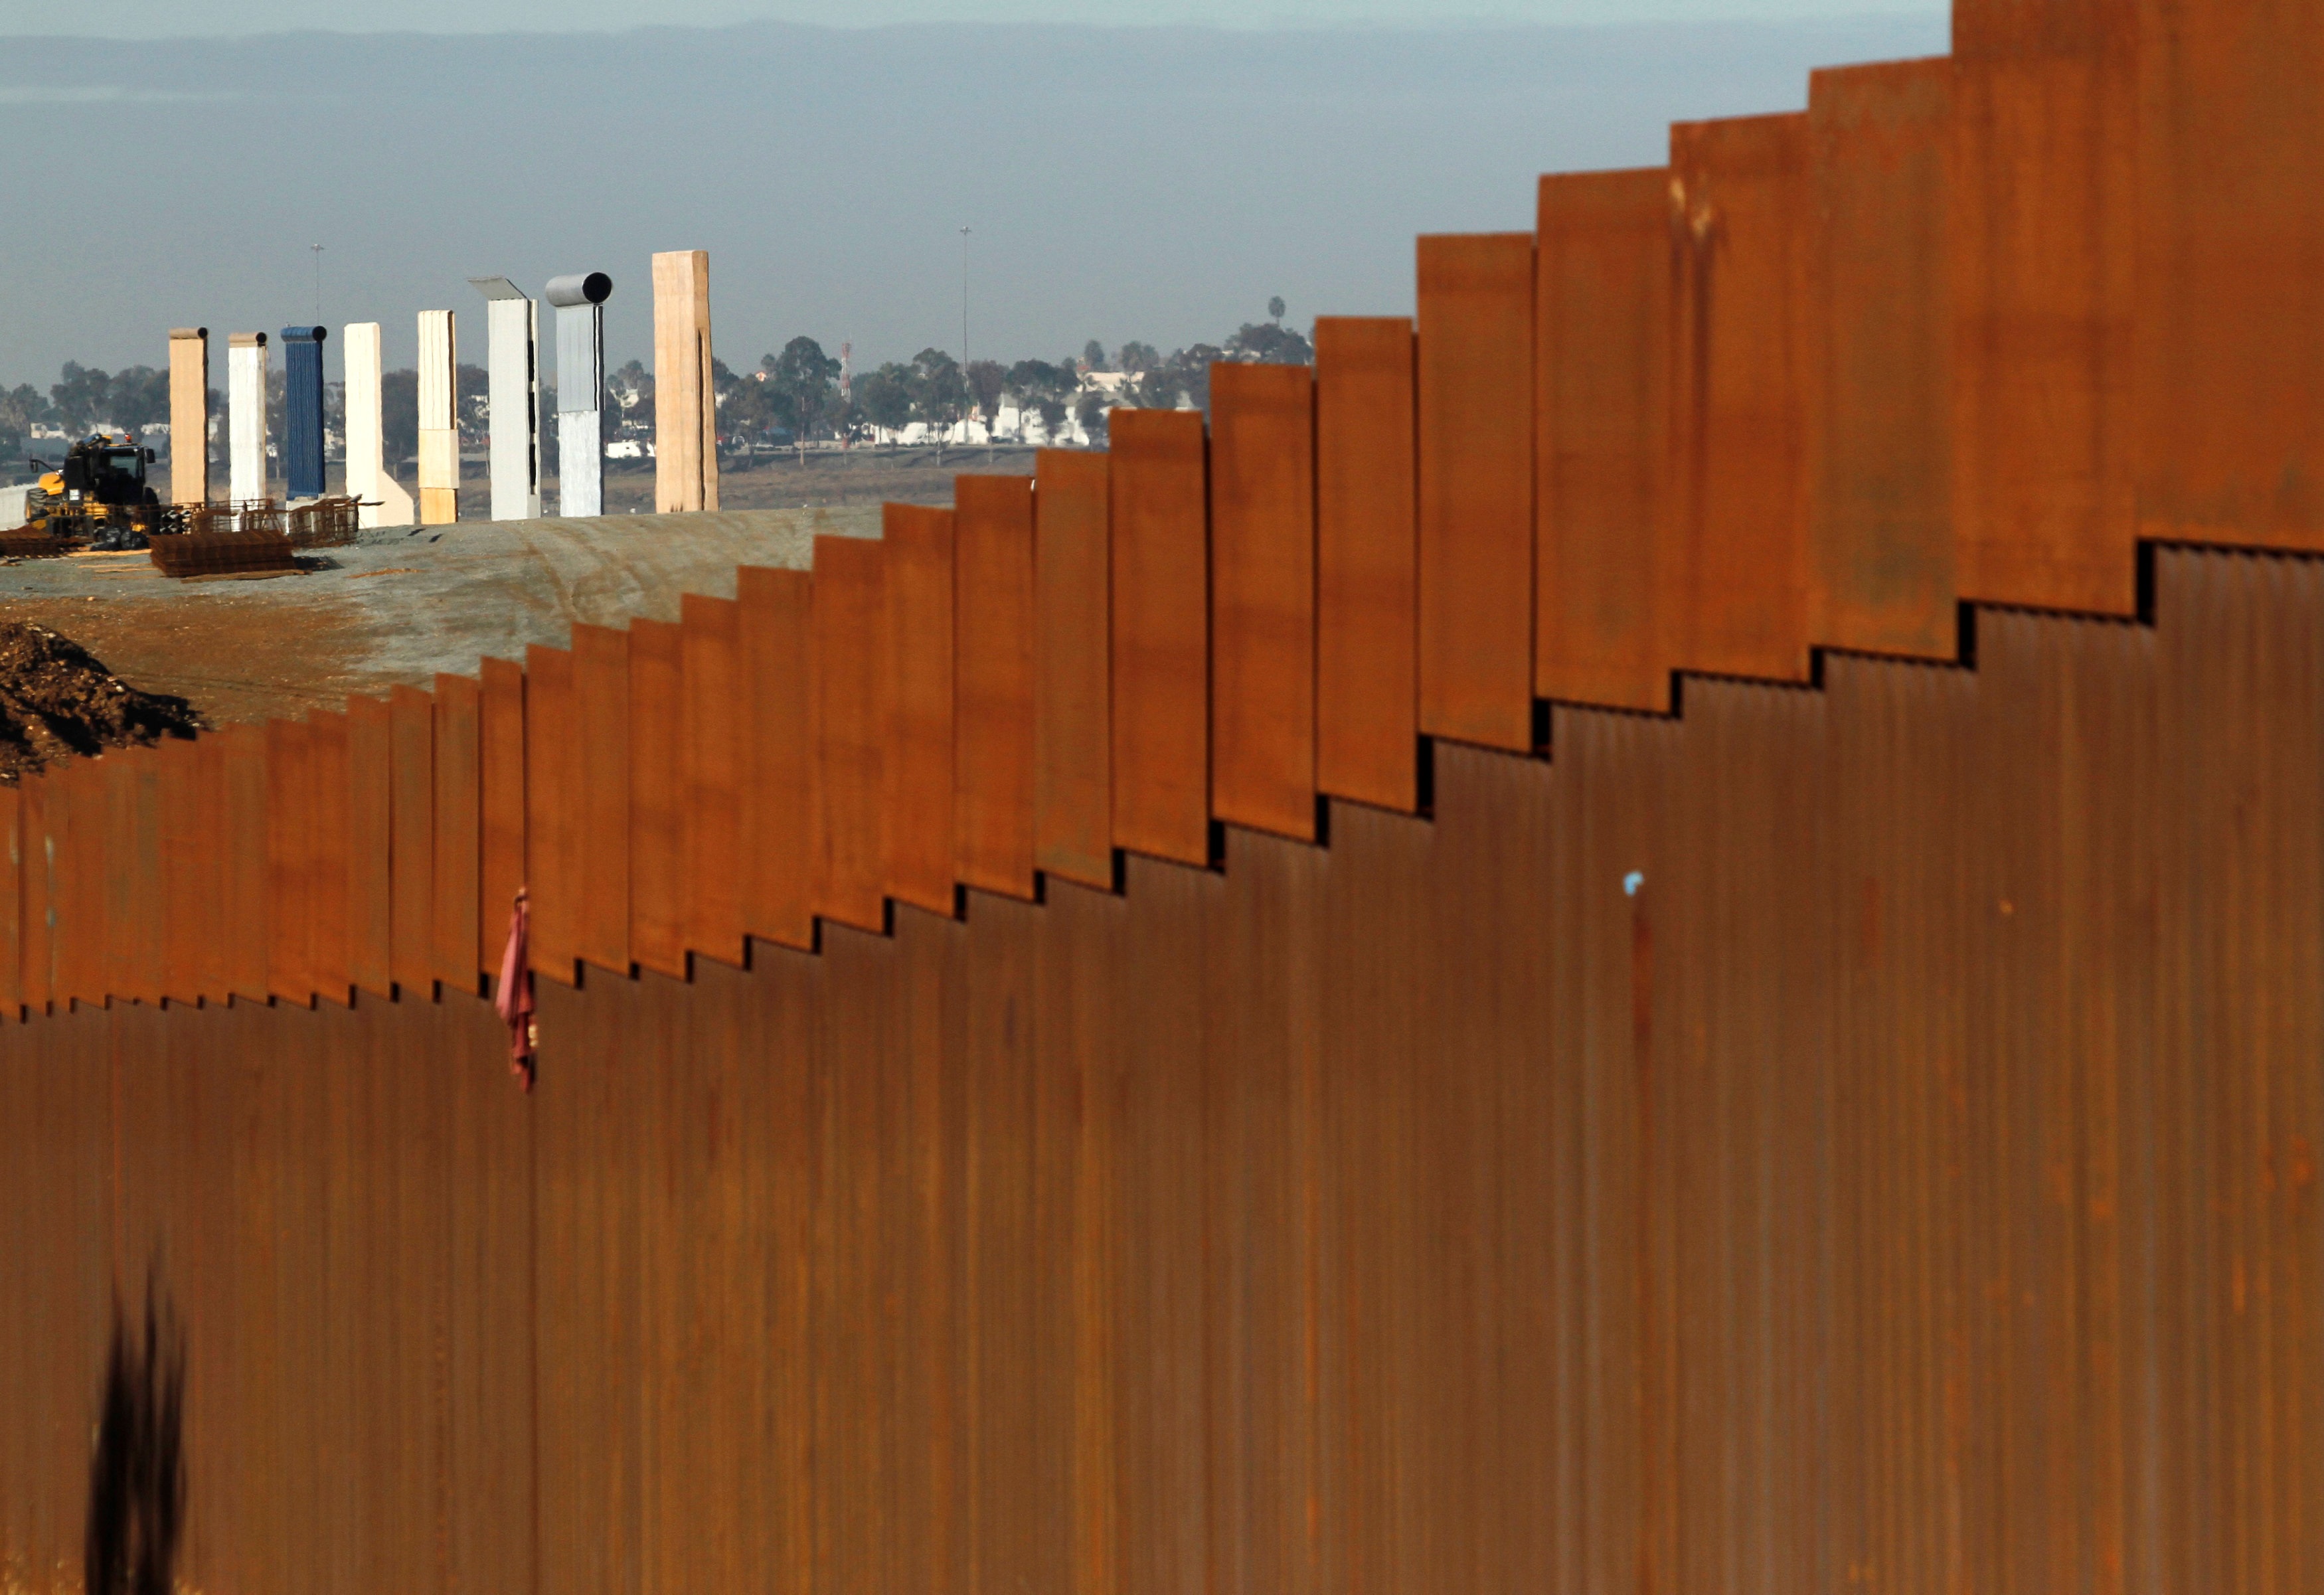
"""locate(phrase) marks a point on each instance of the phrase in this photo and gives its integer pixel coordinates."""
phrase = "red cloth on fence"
(514, 997)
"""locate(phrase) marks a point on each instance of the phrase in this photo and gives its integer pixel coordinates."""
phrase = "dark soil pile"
(59, 702)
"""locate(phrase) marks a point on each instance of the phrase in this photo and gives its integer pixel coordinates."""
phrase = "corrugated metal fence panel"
(1262, 1233)
(600, 795)
(713, 720)
(1160, 567)
(1900, 742)
(585, 1216)
(656, 782)
(1739, 417)
(412, 811)
(459, 795)
(552, 801)
(1011, 1375)
(1879, 401)
(1263, 597)
(1367, 608)
(1602, 374)
(701, 1270)
(778, 771)
(864, 1246)
(489, 1382)
(370, 846)
(1474, 343)
(848, 644)
(2235, 1431)
(918, 757)
(1162, 1362)
(993, 647)
(1073, 653)
(501, 827)
(2042, 213)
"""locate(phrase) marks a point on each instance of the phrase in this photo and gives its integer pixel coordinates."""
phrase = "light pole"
(317, 250)
(963, 303)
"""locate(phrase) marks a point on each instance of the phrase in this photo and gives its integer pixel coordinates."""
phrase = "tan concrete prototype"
(685, 401)
(439, 427)
(189, 415)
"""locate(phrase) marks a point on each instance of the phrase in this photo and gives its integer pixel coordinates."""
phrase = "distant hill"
(1157, 184)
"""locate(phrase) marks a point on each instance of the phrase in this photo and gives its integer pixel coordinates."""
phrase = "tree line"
(792, 396)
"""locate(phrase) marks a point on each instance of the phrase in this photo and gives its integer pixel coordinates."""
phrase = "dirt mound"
(59, 702)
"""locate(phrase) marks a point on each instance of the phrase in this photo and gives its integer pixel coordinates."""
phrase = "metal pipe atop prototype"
(512, 395)
(580, 301)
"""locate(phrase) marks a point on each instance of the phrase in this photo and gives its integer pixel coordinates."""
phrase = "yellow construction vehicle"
(98, 494)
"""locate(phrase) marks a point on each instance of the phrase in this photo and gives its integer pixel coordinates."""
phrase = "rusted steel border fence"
(1866, 1135)
(1940, 1103)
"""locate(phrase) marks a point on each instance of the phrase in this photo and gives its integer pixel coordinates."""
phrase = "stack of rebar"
(322, 523)
(27, 542)
(223, 553)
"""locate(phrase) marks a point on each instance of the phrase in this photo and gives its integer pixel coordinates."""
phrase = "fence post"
(1263, 597)
(918, 765)
(848, 623)
(1072, 668)
(778, 769)
(1367, 570)
(712, 841)
(1740, 372)
(1160, 517)
(1601, 462)
(1475, 382)
(993, 629)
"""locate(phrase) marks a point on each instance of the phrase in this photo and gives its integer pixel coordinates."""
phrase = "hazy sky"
(172, 18)
(1152, 183)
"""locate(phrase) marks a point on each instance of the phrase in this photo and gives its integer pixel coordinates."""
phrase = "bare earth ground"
(406, 604)
(825, 480)
(401, 605)
(57, 702)
(864, 477)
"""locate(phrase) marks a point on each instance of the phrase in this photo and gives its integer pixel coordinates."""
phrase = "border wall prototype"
(1664, 931)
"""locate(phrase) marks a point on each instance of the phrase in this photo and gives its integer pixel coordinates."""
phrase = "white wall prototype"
(580, 301)
(513, 397)
(246, 411)
(380, 498)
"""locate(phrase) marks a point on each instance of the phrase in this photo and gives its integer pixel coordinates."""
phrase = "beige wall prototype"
(686, 415)
(439, 431)
(189, 415)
